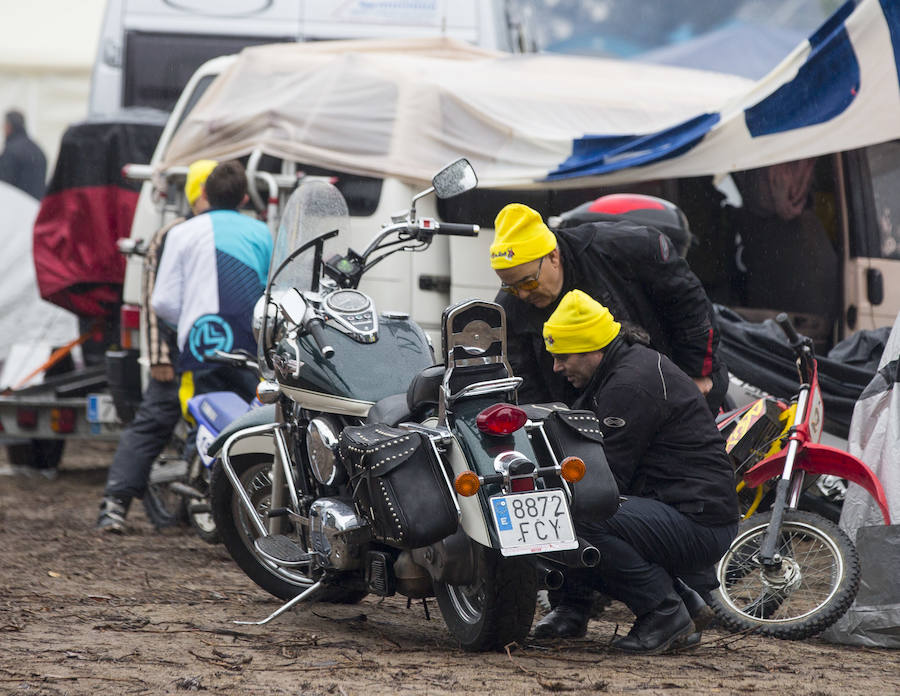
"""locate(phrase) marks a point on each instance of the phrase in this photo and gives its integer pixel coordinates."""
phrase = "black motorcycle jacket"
(636, 273)
(660, 439)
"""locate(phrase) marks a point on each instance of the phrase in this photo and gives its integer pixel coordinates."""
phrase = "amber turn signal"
(467, 484)
(572, 469)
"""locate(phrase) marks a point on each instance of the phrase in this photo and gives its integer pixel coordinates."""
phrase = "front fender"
(823, 460)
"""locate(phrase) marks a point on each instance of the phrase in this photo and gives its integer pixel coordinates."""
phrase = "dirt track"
(152, 614)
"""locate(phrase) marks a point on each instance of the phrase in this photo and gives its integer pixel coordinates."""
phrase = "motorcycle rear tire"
(819, 559)
(497, 610)
(237, 533)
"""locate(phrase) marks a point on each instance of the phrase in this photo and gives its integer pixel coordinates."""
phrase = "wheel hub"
(784, 577)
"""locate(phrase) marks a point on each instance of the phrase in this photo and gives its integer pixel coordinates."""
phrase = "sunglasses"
(527, 284)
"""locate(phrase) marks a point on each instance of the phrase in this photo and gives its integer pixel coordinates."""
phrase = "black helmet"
(649, 211)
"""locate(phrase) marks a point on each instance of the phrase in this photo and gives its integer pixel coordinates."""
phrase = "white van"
(149, 48)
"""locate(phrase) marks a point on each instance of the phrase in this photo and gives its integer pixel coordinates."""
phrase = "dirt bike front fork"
(787, 497)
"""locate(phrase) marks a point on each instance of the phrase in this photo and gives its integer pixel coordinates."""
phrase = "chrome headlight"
(272, 322)
(322, 447)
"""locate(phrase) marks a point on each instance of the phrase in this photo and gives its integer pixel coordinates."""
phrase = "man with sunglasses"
(633, 270)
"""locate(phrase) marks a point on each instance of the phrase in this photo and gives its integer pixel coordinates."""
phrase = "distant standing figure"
(22, 163)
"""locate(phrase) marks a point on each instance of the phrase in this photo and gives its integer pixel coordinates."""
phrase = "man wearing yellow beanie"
(668, 458)
(156, 418)
(632, 269)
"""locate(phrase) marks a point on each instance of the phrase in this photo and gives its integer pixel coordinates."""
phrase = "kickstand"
(312, 590)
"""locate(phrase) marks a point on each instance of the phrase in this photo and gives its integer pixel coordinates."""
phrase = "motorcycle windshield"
(316, 207)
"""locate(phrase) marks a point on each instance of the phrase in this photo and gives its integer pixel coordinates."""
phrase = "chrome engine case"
(337, 534)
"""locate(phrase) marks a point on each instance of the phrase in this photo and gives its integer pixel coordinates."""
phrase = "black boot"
(112, 515)
(701, 613)
(668, 625)
(563, 622)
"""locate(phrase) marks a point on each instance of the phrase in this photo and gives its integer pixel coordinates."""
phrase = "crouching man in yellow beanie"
(632, 269)
(681, 511)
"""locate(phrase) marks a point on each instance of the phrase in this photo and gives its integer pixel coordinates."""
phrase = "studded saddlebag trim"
(397, 483)
(577, 433)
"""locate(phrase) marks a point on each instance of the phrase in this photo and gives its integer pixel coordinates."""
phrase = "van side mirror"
(874, 286)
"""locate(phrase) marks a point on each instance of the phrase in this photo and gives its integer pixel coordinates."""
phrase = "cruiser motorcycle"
(374, 470)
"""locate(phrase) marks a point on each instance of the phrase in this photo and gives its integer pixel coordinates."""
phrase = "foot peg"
(281, 550)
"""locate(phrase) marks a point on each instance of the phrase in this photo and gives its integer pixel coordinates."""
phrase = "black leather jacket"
(660, 439)
(636, 273)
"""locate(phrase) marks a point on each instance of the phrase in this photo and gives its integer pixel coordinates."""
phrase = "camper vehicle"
(149, 48)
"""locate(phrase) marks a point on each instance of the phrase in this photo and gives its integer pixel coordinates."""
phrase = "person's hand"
(162, 373)
(704, 384)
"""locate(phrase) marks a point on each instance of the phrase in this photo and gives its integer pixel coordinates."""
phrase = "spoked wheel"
(495, 610)
(238, 534)
(165, 507)
(812, 587)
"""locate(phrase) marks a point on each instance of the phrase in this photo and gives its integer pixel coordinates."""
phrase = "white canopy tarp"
(25, 319)
(406, 108)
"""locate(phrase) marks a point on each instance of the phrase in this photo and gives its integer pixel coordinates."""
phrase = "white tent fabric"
(874, 618)
(406, 108)
(24, 317)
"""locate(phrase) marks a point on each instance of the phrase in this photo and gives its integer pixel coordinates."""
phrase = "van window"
(769, 242)
(157, 66)
(884, 169)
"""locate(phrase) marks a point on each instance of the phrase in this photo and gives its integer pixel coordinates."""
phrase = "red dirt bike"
(789, 573)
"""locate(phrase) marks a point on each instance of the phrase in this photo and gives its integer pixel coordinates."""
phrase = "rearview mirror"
(454, 179)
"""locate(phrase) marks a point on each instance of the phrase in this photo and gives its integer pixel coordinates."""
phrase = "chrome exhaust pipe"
(585, 556)
(550, 576)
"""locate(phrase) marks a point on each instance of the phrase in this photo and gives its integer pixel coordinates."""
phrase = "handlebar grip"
(785, 323)
(458, 229)
(318, 335)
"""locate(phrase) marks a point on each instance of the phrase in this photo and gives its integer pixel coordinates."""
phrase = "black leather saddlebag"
(398, 484)
(572, 433)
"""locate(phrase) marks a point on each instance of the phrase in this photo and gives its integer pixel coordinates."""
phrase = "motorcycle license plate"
(533, 522)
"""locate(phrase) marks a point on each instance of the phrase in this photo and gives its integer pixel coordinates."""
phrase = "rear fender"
(823, 460)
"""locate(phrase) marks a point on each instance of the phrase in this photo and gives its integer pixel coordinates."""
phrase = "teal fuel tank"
(359, 374)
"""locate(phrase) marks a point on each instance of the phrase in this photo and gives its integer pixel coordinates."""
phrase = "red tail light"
(501, 419)
(521, 484)
(130, 326)
(26, 418)
(62, 420)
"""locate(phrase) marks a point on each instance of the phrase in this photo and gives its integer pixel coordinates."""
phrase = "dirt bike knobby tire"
(812, 622)
(509, 589)
(221, 502)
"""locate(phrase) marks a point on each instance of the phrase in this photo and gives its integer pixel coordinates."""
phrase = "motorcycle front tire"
(237, 533)
(495, 610)
(814, 586)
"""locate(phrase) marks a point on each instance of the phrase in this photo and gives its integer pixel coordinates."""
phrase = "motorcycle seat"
(421, 395)
(257, 416)
(390, 410)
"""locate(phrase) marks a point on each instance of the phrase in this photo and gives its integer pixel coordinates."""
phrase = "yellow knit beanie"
(196, 178)
(520, 236)
(579, 324)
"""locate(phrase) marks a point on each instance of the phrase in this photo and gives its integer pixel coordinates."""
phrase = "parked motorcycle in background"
(178, 485)
(789, 573)
(381, 472)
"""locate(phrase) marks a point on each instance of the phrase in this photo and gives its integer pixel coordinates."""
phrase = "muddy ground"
(152, 613)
